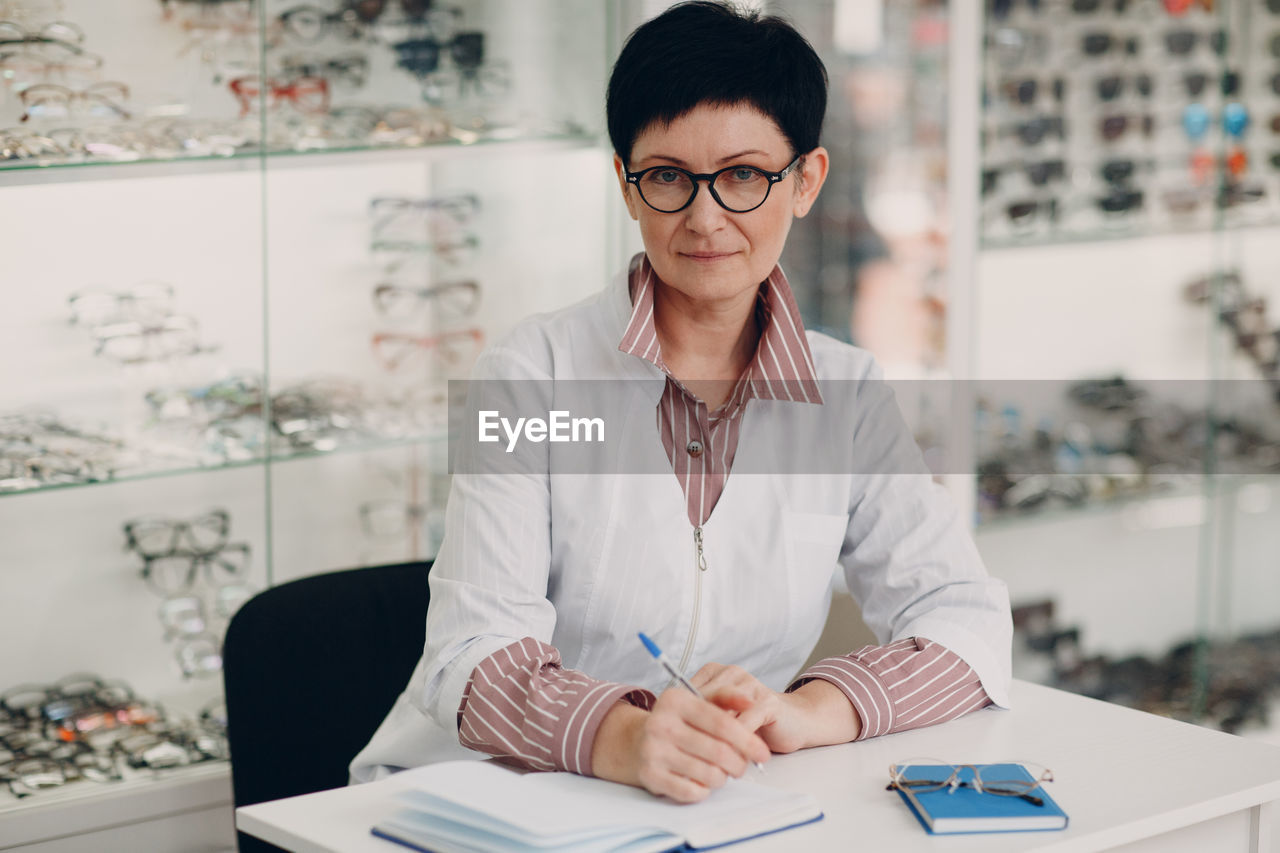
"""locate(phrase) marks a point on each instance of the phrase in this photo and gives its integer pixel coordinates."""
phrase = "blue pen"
(677, 675)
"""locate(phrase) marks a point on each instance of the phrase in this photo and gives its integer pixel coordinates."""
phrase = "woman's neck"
(707, 346)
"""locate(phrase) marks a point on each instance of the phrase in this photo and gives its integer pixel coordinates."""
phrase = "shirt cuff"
(861, 687)
(575, 734)
(522, 705)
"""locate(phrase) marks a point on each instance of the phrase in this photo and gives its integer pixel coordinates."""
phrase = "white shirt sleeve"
(489, 581)
(909, 559)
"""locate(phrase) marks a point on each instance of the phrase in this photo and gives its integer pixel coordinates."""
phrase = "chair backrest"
(311, 667)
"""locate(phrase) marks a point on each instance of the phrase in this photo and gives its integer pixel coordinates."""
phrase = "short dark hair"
(704, 52)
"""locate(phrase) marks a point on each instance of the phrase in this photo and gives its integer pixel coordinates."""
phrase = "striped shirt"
(521, 704)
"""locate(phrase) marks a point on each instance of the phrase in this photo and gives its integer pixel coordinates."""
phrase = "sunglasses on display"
(1001, 9)
(1038, 173)
(1120, 201)
(1113, 128)
(1183, 41)
(1197, 81)
(1027, 91)
(465, 75)
(1117, 171)
(1091, 7)
(1027, 213)
(1114, 85)
(1041, 173)
(1099, 44)
(1037, 130)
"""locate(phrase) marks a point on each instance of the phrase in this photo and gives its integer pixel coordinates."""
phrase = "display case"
(868, 263)
(1123, 357)
(246, 244)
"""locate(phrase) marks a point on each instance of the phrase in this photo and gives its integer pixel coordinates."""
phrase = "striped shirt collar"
(782, 368)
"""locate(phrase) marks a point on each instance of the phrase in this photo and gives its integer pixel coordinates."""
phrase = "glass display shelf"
(1121, 230)
(134, 781)
(433, 442)
(515, 142)
(87, 807)
(1182, 503)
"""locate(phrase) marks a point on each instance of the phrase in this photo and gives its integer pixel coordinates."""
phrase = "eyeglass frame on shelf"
(233, 558)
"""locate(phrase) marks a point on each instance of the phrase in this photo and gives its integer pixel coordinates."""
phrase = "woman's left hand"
(780, 719)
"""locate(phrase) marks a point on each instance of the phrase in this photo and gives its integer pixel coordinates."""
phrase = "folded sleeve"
(905, 685)
(519, 704)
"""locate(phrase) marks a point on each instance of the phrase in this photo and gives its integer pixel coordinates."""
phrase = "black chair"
(311, 667)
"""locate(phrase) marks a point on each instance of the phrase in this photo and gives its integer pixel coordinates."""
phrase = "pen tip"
(650, 645)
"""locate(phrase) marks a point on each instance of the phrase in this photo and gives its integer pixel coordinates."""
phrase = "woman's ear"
(812, 173)
(627, 198)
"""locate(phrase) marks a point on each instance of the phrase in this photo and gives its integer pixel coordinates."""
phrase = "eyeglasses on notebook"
(929, 775)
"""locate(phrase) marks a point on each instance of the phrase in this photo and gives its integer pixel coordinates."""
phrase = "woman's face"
(705, 252)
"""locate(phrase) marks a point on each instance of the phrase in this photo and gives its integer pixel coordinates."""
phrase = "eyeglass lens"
(737, 188)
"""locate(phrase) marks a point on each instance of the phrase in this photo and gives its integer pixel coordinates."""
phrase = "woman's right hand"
(684, 748)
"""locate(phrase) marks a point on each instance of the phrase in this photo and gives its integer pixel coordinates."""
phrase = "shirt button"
(695, 448)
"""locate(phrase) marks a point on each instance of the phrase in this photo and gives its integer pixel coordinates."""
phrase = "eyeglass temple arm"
(909, 783)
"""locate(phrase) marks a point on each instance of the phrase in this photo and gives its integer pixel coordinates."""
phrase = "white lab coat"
(584, 562)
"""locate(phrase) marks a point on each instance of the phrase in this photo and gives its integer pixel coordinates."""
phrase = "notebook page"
(740, 809)
(561, 805)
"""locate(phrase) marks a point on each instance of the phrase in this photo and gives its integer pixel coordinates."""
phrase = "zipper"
(699, 566)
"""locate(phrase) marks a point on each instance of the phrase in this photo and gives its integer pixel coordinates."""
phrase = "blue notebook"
(964, 809)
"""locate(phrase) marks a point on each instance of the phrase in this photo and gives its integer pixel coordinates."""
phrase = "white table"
(1127, 779)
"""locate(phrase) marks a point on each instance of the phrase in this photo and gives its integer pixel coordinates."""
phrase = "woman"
(544, 577)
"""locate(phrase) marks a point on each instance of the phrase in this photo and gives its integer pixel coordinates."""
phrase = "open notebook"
(466, 806)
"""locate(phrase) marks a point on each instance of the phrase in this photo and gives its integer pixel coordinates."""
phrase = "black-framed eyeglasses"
(670, 189)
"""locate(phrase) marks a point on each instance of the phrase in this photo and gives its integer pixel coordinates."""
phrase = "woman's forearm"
(613, 754)
(829, 717)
